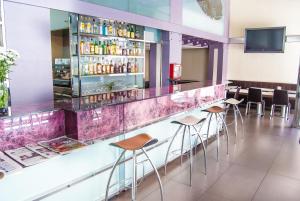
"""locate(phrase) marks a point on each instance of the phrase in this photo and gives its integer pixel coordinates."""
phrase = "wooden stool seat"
(134, 143)
(189, 121)
(1, 175)
(215, 109)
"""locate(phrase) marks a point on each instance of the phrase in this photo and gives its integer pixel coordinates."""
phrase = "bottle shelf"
(107, 36)
(112, 74)
(109, 55)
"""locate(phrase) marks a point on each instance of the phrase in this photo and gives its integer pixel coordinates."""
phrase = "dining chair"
(255, 97)
(281, 98)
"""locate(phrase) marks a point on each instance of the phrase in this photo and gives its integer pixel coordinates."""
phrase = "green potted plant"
(7, 60)
(110, 86)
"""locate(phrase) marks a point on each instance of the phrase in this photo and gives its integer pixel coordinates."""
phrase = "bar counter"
(83, 173)
(99, 119)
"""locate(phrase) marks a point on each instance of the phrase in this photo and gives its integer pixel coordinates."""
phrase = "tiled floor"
(264, 166)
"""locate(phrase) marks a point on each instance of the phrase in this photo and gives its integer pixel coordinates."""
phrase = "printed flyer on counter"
(41, 150)
(7, 164)
(62, 144)
(25, 156)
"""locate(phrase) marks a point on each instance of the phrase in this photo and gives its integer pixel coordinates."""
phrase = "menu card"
(7, 165)
(62, 145)
(41, 150)
(25, 156)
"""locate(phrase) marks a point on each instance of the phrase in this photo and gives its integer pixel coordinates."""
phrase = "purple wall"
(101, 11)
(28, 32)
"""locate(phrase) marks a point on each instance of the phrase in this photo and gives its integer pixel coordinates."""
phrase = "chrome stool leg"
(204, 148)
(133, 189)
(242, 120)
(208, 126)
(235, 124)
(226, 132)
(111, 174)
(218, 140)
(191, 155)
(169, 147)
(156, 172)
(182, 144)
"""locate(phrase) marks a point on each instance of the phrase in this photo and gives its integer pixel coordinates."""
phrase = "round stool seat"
(215, 109)
(134, 143)
(233, 101)
(1, 175)
(189, 121)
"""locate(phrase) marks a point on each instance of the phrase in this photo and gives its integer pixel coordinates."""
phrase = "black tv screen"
(265, 40)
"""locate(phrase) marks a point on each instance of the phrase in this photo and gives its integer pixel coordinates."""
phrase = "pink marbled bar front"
(143, 112)
(111, 120)
(95, 123)
(19, 131)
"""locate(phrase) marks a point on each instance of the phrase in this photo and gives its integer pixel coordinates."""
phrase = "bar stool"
(187, 122)
(138, 142)
(216, 110)
(234, 103)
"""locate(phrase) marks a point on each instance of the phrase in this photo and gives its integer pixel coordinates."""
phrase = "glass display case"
(106, 55)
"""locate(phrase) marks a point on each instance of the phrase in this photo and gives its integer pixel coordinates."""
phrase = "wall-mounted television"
(265, 40)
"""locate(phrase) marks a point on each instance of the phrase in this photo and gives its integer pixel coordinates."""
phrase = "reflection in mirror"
(195, 59)
(60, 46)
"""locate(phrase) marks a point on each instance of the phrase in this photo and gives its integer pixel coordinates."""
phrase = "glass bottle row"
(103, 27)
(101, 66)
(110, 47)
(120, 96)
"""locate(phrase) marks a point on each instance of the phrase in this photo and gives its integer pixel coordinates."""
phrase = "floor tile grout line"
(269, 170)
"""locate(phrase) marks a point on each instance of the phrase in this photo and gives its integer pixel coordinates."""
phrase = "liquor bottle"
(124, 29)
(95, 71)
(107, 67)
(104, 28)
(100, 48)
(124, 67)
(103, 66)
(114, 32)
(99, 68)
(109, 28)
(135, 67)
(108, 48)
(104, 48)
(116, 68)
(82, 24)
(132, 67)
(91, 67)
(86, 46)
(92, 47)
(86, 66)
(120, 67)
(117, 47)
(128, 67)
(95, 27)
(100, 27)
(88, 26)
(128, 31)
(132, 32)
(120, 30)
(111, 67)
(113, 47)
(81, 47)
(124, 49)
(130, 49)
(96, 46)
(137, 34)
(139, 49)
